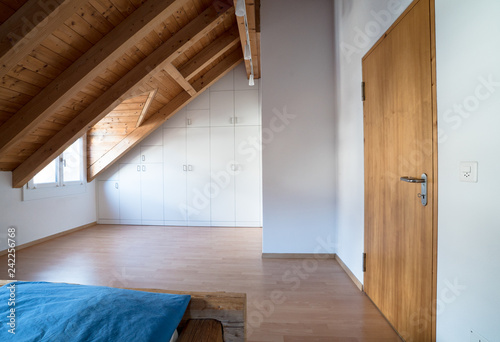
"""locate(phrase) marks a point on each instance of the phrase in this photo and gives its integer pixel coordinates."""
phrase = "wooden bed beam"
(134, 82)
(29, 26)
(163, 115)
(93, 63)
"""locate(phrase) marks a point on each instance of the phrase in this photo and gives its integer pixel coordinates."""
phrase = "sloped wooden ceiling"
(114, 70)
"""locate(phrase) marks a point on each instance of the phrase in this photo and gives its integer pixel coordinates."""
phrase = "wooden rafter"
(133, 82)
(253, 21)
(29, 26)
(209, 54)
(93, 63)
(177, 76)
(145, 108)
(163, 114)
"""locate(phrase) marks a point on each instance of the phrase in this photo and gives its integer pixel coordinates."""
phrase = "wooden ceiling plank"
(25, 29)
(126, 86)
(148, 102)
(108, 11)
(163, 115)
(177, 76)
(124, 6)
(90, 65)
(19, 86)
(206, 56)
(95, 18)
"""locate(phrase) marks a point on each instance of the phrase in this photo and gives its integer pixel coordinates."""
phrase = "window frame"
(33, 191)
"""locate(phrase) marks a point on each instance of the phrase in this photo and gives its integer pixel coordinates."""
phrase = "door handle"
(423, 186)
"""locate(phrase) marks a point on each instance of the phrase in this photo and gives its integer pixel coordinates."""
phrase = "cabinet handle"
(144, 168)
(184, 167)
(116, 185)
(235, 119)
(231, 120)
(233, 168)
(143, 157)
(189, 122)
(190, 167)
(138, 168)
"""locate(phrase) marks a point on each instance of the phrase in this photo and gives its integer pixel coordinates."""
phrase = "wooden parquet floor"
(289, 300)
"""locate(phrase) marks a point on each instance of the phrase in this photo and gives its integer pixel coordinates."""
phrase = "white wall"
(299, 152)
(37, 219)
(358, 25)
(468, 52)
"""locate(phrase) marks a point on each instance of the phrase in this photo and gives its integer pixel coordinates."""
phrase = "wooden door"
(399, 130)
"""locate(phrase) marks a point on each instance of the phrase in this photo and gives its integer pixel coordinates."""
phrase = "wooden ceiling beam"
(210, 53)
(145, 109)
(29, 26)
(155, 121)
(177, 76)
(253, 21)
(93, 63)
(132, 83)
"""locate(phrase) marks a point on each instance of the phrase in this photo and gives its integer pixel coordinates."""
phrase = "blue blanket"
(39, 311)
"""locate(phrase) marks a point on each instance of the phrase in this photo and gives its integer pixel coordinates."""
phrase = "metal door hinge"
(363, 91)
(364, 262)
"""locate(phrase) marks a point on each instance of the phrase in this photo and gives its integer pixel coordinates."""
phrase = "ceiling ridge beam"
(210, 53)
(85, 69)
(163, 114)
(132, 83)
(29, 26)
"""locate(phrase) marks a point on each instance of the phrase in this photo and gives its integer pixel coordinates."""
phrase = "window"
(64, 175)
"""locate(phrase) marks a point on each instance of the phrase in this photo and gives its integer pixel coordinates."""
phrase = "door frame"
(434, 184)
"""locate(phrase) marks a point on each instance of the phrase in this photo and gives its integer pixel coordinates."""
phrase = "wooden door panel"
(398, 124)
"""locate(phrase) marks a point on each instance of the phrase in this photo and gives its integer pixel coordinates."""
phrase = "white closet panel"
(222, 174)
(175, 176)
(108, 202)
(130, 194)
(246, 103)
(152, 194)
(198, 176)
(222, 108)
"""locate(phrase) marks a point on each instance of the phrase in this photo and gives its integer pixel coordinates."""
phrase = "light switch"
(468, 172)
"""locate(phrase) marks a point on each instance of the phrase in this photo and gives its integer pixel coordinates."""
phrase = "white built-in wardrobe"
(201, 168)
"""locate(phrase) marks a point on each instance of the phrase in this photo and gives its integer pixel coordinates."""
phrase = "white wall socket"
(468, 172)
(475, 337)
